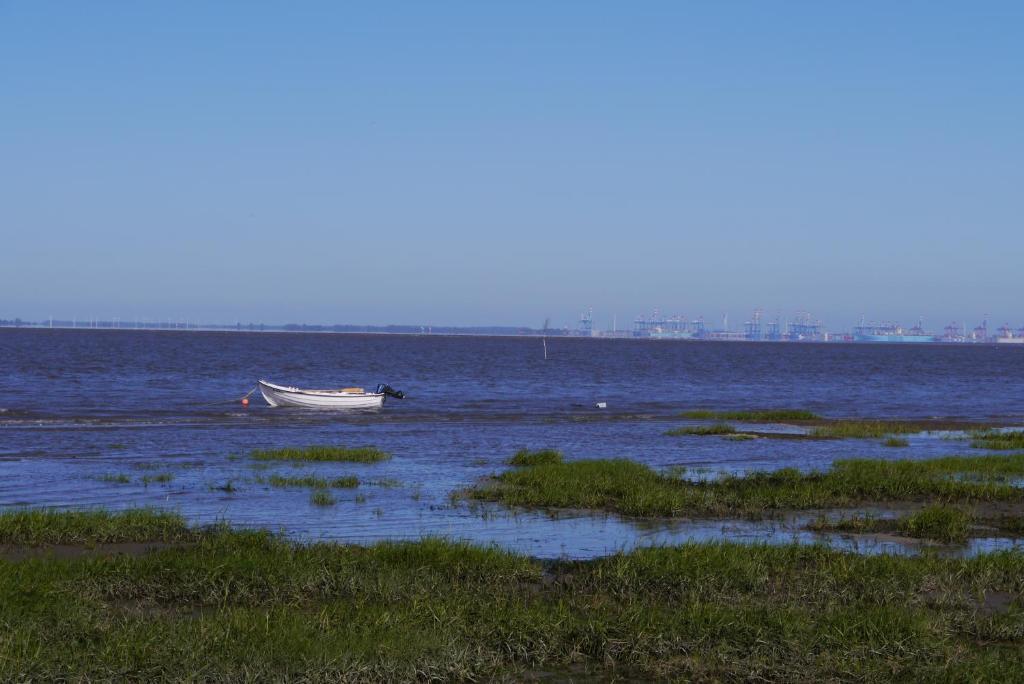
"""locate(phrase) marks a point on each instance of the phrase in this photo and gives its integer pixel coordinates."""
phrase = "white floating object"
(601, 404)
(350, 397)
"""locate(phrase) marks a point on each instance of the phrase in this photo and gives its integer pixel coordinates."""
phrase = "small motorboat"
(346, 398)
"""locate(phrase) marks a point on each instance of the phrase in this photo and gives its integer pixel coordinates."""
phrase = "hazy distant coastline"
(641, 330)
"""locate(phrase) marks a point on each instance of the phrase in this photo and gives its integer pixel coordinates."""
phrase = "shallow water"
(76, 406)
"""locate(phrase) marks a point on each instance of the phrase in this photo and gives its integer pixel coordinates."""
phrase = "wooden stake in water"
(544, 337)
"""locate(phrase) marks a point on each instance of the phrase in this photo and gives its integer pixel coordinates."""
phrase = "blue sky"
(485, 163)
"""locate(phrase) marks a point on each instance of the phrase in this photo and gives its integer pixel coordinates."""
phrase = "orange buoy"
(245, 402)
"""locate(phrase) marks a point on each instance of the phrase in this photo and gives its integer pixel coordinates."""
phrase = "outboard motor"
(389, 391)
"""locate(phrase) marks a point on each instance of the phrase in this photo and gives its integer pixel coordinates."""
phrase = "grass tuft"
(716, 429)
(941, 523)
(896, 442)
(525, 457)
(162, 478)
(323, 497)
(366, 454)
(312, 481)
(935, 523)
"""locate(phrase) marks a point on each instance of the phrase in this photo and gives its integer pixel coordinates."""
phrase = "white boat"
(347, 398)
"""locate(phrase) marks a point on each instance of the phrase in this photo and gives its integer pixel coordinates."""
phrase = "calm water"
(79, 405)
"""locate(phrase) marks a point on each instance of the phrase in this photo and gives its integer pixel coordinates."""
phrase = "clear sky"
(500, 163)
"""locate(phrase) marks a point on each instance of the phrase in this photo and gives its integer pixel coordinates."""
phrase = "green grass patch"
(162, 478)
(634, 489)
(935, 523)
(46, 526)
(366, 454)
(322, 497)
(314, 482)
(526, 457)
(991, 467)
(844, 429)
(896, 442)
(703, 430)
(941, 523)
(250, 605)
(769, 416)
(115, 479)
(1002, 441)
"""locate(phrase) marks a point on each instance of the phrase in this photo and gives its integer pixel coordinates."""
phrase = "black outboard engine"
(389, 391)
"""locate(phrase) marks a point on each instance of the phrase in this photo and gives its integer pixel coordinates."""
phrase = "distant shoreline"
(446, 331)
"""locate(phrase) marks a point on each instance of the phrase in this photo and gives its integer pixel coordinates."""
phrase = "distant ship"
(892, 334)
(1008, 336)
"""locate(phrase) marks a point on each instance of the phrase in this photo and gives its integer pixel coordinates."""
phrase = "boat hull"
(278, 395)
(894, 339)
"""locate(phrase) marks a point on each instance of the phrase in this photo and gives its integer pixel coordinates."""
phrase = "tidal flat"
(233, 604)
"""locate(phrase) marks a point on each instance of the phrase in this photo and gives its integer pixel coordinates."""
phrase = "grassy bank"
(634, 489)
(993, 439)
(43, 526)
(324, 453)
(250, 606)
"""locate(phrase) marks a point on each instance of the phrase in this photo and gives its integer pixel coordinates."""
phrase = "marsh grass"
(119, 478)
(716, 429)
(941, 523)
(768, 416)
(162, 478)
(47, 526)
(526, 457)
(385, 483)
(994, 439)
(896, 442)
(366, 454)
(322, 497)
(944, 524)
(314, 482)
(844, 429)
(249, 605)
(634, 489)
